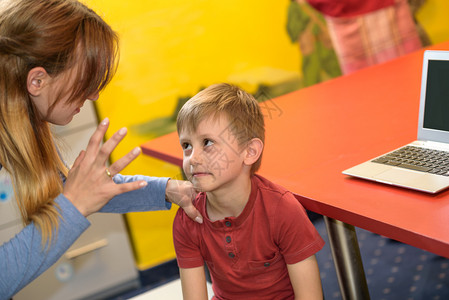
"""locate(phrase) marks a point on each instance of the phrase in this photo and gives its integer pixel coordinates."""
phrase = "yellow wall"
(170, 49)
(433, 15)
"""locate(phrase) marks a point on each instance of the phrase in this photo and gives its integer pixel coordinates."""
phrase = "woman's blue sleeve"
(148, 198)
(23, 258)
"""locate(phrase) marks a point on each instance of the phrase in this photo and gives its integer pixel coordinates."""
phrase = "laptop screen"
(436, 112)
(433, 122)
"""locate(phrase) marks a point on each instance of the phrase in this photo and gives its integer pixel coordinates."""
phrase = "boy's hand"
(182, 193)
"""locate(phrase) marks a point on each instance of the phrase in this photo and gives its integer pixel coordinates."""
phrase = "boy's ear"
(36, 79)
(253, 151)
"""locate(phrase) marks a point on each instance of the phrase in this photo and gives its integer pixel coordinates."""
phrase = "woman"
(55, 54)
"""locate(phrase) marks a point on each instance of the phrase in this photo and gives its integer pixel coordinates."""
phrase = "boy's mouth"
(200, 174)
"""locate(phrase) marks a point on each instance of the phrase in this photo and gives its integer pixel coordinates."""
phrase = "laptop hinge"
(432, 145)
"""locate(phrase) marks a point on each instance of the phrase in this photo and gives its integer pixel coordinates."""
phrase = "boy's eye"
(208, 142)
(186, 146)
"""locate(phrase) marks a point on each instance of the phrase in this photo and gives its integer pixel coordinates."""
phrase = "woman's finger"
(128, 187)
(95, 141)
(193, 213)
(108, 146)
(120, 164)
(79, 159)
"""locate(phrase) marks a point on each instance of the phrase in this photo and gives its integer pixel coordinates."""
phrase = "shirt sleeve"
(298, 238)
(188, 254)
(148, 198)
(23, 258)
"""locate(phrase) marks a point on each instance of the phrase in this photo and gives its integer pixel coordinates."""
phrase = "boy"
(256, 239)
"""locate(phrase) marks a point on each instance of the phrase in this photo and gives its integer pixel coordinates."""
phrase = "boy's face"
(212, 157)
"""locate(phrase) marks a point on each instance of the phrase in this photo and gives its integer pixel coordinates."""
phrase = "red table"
(313, 134)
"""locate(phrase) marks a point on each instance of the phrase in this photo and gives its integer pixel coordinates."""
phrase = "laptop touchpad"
(396, 175)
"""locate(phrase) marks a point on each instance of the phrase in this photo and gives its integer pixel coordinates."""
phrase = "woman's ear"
(253, 151)
(36, 79)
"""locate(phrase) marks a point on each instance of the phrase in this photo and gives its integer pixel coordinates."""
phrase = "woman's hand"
(89, 185)
(182, 193)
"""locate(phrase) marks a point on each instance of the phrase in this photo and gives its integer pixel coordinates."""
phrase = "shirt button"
(228, 224)
(266, 264)
(231, 255)
(228, 239)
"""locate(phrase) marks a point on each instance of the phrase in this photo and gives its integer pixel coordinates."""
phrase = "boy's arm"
(193, 282)
(305, 279)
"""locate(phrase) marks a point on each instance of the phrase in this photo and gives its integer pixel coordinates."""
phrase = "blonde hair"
(241, 109)
(57, 35)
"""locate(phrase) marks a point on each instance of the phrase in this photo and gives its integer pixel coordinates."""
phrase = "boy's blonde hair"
(241, 109)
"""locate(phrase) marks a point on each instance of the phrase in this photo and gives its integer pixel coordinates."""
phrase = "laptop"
(423, 164)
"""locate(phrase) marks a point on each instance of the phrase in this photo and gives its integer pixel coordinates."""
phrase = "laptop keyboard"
(419, 159)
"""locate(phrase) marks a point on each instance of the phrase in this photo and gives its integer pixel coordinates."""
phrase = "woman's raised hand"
(89, 185)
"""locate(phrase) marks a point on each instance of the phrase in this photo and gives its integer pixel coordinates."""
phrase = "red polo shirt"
(247, 255)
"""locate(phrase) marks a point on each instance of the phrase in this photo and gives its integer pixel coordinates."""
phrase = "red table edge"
(162, 156)
(435, 246)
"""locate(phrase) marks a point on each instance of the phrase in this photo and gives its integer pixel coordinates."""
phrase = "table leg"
(347, 260)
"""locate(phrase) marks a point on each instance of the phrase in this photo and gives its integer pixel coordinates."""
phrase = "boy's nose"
(195, 158)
